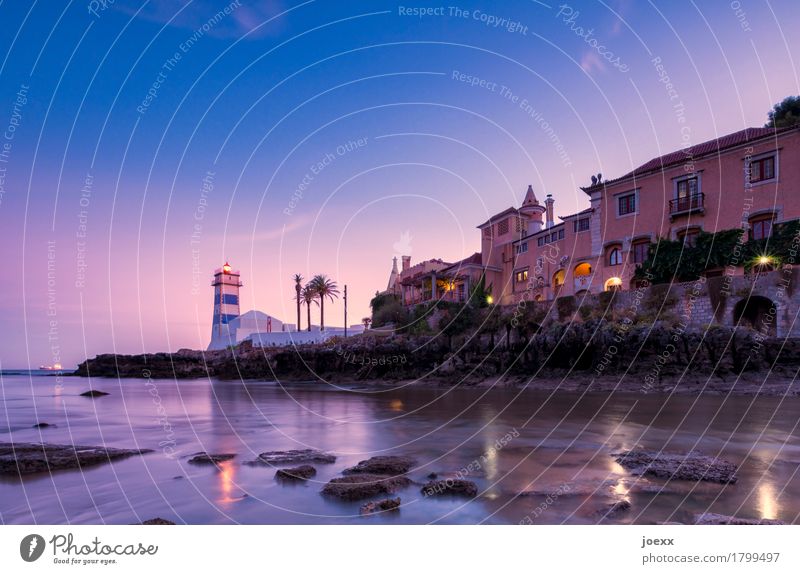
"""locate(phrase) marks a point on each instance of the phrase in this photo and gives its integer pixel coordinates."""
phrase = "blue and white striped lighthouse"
(226, 304)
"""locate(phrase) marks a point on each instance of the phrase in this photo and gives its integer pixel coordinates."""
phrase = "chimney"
(548, 204)
(406, 262)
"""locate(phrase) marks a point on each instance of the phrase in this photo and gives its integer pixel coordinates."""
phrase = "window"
(687, 187)
(615, 256)
(689, 237)
(502, 227)
(641, 250)
(581, 224)
(540, 241)
(522, 247)
(553, 236)
(519, 224)
(626, 204)
(229, 299)
(761, 228)
(460, 291)
(487, 232)
(521, 276)
(762, 169)
(561, 233)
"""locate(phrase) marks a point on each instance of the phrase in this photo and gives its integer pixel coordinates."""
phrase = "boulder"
(42, 425)
(385, 505)
(28, 458)
(207, 458)
(360, 486)
(712, 518)
(690, 466)
(390, 465)
(158, 521)
(274, 457)
(614, 509)
(303, 472)
(94, 393)
(456, 487)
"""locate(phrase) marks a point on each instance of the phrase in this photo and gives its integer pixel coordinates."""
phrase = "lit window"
(762, 169)
(615, 256)
(641, 250)
(521, 276)
(626, 204)
(761, 228)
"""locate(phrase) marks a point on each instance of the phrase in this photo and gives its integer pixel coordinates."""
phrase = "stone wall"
(768, 302)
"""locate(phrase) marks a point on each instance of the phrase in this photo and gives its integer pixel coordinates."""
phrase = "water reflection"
(569, 441)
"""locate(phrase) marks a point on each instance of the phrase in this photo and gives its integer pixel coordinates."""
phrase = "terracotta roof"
(694, 152)
(498, 217)
(565, 217)
(474, 259)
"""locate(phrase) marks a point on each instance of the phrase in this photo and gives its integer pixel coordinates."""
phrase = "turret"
(548, 202)
(533, 210)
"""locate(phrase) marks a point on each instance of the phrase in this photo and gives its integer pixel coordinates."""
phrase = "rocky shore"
(589, 356)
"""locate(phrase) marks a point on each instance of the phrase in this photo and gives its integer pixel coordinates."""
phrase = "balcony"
(694, 203)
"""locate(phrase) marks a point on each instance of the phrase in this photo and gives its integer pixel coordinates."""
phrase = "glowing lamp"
(226, 268)
(489, 299)
(764, 260)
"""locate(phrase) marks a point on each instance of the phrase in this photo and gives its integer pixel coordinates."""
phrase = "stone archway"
(758, 313)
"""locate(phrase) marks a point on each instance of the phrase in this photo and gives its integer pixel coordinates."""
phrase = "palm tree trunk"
(297, 289)
(308, 305)
(322, 313)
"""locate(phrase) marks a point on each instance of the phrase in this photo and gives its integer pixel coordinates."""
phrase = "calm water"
(561, 440)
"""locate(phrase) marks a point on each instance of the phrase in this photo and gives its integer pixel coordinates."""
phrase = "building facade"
(749, 179)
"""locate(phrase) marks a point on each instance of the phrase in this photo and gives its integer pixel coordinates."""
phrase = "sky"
(143, 144)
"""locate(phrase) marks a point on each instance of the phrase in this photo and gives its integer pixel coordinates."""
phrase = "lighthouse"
(226, 285)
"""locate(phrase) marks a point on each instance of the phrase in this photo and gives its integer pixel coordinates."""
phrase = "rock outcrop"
(385, 505)
(296, 474)
(274, 457)
(207, 458)
(389, 465)
(712, 518)
(361, 486)
(29, 458)
(692, 466)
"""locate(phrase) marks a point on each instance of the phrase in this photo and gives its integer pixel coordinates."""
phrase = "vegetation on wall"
(670, 261)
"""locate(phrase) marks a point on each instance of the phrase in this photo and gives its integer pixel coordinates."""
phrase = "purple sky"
(372, 106)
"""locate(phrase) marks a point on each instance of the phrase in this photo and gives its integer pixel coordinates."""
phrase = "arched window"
(614, 284)
(582, 269)
(615, 256)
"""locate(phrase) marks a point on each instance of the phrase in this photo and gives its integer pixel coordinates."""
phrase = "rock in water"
(28, 458)
(159, 521)
(457, 487)
(712, 518)
(385, 505)
(691, 466)
(614, 510)
(93, 393)
(42, 425)
(206, 458)
(273, 457)
(303, 472)
(360, 486)
(390, 465)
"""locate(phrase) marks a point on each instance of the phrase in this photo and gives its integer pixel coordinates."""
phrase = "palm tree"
(298, 288)
(309, 296)
(324, 288)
